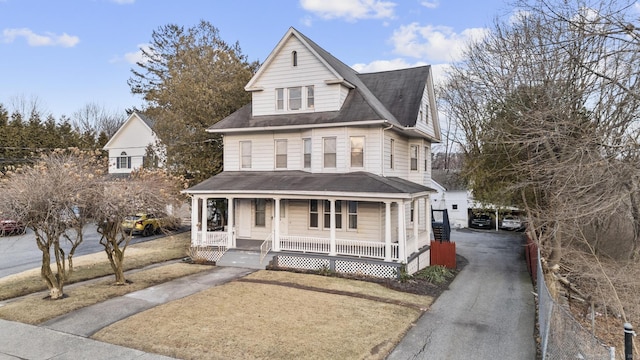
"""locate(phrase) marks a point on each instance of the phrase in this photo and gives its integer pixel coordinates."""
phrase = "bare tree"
(150, 191)
(46, 197)
(95, 119)
(28, 106)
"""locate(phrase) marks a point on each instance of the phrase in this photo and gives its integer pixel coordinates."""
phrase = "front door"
(284, 222)
(243, 212)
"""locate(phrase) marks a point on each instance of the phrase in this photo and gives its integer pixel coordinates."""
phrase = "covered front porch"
(381, 226)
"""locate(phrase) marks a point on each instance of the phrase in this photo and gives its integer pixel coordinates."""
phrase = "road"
(20, 252)
(488, 311)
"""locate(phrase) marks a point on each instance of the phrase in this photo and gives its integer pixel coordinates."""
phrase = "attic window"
(294, 58)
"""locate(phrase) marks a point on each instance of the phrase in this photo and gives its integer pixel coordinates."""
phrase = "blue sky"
(68, 53)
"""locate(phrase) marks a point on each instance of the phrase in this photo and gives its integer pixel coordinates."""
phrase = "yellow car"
(142, 224)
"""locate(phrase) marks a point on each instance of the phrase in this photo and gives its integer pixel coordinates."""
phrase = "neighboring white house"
(128, 146)
(452, 195)
(326, 161)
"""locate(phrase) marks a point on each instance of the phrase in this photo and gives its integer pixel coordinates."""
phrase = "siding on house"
(370, 226)
(132, 138)
(282, 74)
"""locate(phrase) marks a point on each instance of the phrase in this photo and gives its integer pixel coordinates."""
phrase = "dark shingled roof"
(300, 181)
(150, 122)
(394, 96)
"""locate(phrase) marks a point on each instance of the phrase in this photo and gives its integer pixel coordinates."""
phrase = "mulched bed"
(413, 286)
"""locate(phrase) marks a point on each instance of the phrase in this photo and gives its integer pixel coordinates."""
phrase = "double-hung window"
(392, 152)
(353, 214)
(327, 214)
(123, 161)
(281, 154)
(280, 99)
(357, 151)
(310, 97)
(313, 214)
(260, 213)
(329, 152)
(245, 154)
(307, 153)
(414, 157)
(295, 98)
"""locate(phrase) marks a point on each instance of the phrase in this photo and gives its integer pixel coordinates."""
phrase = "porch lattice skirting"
(206, 253)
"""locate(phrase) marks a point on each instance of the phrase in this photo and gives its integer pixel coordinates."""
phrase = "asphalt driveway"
(488, 311)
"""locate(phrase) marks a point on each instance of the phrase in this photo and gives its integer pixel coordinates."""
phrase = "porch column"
(402, 240)
(276, 225)
(427, 219)
(387, 231)
(231, 239)
(416, 224)
(194, 219)
(203, 220)
(332, 239)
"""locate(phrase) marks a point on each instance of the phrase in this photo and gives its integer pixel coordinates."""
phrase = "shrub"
(434, 274)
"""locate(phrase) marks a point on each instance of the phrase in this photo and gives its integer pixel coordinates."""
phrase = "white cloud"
(351, 10)
(435, 43)
(430, 4)
(384, 65)
(439, 71)
(33, 39)
(137, 56)
(306, 21)
(121, 2)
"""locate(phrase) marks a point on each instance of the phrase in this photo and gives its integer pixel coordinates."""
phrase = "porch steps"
(244, 258)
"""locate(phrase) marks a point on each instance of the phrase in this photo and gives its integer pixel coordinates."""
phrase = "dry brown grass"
(242, 320)
(96, 265)
(35, 309)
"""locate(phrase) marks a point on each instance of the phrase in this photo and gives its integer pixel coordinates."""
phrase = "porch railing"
(265, 247)
(211, 238)
(357, 248)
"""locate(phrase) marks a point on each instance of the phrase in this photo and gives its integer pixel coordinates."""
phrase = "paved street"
(489, 311)
(20, 252)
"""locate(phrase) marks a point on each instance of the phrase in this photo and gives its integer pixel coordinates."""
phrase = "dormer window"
(294, 58)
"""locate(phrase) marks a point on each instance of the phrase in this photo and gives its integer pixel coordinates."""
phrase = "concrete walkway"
(66, 337)
(488, 311)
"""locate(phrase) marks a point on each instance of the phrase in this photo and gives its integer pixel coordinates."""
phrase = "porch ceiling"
(299, 182)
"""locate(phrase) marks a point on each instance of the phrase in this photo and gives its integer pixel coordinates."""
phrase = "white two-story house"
(327, 166)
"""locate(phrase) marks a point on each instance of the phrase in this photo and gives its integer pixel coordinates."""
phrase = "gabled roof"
(390, 97)
(134, 115)
(304, 183)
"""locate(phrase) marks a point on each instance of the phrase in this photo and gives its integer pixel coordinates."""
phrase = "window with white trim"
(295, 98)
(414, 157)
(357, 151)
(426, 158)
(260, 212)
(281, 153)
(329, 151)
(123, 161)
(327, 214)
(352, 208)
(392, 151)
(310, 97)
(307, 153)
(245, 154)
(280, 99)
(313, 214)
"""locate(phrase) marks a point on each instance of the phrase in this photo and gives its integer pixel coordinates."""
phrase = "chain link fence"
(562, 337)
